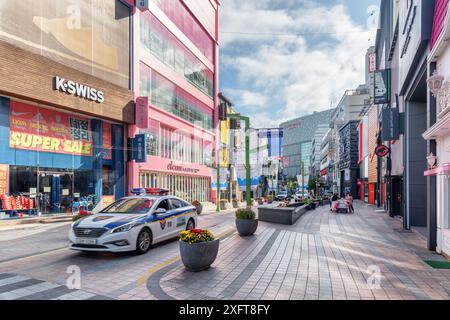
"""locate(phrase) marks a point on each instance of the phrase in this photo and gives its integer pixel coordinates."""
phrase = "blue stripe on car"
(145, 219)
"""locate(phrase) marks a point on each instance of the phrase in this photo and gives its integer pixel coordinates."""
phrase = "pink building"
(175, 77)
(439, 60)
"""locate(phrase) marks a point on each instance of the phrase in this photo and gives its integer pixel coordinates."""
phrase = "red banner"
(39, 129)
(107, 141)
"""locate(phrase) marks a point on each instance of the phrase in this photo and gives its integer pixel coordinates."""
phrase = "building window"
(162, 44)
(167, 96)
(183, 19)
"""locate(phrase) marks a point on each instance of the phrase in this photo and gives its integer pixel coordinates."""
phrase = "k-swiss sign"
(78, 90)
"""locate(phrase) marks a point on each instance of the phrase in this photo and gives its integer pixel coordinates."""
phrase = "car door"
(163, 224)
(180, 211)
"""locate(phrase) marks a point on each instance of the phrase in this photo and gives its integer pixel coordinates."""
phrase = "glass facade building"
(61, 146)
(176, 71)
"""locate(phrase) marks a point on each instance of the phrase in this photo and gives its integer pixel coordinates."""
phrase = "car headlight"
(124, 228)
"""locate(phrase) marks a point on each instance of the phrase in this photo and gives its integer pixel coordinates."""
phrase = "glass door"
(55, 192)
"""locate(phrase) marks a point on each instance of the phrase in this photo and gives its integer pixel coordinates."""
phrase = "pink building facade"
(439, 58)
(176, 77)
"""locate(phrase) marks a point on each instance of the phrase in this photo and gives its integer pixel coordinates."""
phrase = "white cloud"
(284, 66)
(248, 98)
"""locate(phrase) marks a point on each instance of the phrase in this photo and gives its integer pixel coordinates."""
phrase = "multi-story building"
(437, 134)
(65, 104)
(348, 110)
(321, 130)
(297, 141)
(175, 75)
(325, 161)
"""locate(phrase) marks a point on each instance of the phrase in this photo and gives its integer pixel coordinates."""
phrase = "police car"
(133, 223)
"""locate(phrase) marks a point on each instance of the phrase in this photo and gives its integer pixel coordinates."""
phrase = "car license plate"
(86, 241)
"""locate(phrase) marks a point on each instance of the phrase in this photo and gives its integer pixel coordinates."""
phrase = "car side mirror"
(160, 211)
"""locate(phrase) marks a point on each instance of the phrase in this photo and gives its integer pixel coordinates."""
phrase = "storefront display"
(186, 187)
(48, 163)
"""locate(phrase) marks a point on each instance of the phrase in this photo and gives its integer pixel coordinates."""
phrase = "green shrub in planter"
(246, 222)
(247, 214)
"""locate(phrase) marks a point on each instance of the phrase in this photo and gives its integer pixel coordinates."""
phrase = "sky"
(282, 59)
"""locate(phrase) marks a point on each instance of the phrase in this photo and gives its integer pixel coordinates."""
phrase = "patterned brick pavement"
(323, 256)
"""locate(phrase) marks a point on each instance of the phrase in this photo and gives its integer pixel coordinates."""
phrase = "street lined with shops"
(322, 256)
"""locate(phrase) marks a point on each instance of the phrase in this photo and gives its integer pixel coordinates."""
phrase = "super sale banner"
(38, 129)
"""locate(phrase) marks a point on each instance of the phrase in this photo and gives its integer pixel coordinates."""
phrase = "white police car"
(133, 223)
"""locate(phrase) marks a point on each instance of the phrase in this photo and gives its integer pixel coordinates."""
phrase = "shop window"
(108, 181)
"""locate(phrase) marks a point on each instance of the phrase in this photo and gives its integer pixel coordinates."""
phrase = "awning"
(444, 169)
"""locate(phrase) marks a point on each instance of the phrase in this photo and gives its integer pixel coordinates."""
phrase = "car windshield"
(129, 206)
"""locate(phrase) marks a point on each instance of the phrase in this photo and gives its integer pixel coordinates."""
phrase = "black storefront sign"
(390, 124)
(382, 86)
(139, 148)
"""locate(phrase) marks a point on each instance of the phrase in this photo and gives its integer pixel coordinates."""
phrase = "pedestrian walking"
(349, 200)
(334, 202)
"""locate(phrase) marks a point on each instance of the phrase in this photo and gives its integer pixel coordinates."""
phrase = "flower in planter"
(196, 236)
(81, 215)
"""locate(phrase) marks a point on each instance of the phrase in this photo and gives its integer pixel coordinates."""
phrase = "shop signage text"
(382, 86)
(139, 148)
(173, 167)
(390, 124)
(78, 90)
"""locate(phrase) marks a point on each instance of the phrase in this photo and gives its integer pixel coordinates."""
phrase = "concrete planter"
(246, 227)
(223, 205)
(199, 208)
(198, 256)
(279, 215)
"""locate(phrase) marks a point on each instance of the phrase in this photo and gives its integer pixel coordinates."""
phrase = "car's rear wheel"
(190, 224)
(144, 241)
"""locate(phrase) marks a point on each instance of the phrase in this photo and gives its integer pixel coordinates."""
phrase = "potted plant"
(198, 205)
(198, 249)
(235, 203)
(269, 199)
(246, 222)
(223, 204)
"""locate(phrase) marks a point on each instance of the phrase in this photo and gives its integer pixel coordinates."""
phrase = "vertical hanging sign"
(141, 112)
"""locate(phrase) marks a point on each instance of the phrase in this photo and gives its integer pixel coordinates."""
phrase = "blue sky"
(280, 59)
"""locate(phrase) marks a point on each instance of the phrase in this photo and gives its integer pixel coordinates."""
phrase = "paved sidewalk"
(323, 256)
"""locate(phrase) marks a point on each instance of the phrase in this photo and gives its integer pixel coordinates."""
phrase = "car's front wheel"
(144, 241)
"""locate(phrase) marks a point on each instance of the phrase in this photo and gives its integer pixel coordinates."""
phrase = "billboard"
(38, 129)
(92, 36)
